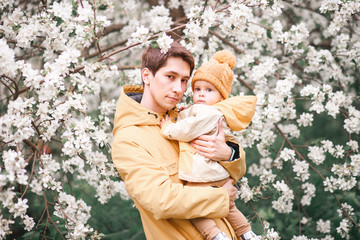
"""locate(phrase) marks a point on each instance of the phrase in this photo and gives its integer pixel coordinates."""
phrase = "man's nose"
(177, 87)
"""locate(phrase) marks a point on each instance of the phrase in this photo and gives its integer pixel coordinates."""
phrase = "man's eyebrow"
(176, 73)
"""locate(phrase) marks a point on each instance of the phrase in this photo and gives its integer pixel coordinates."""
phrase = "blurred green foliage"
(117, 219)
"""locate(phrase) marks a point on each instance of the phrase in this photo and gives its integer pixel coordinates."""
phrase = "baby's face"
(205, 93)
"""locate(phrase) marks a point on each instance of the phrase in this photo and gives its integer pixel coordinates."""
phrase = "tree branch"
(31, 174)
(296, 151)
(262, 224)
(301, 157)
(226, 41)
(33, 147)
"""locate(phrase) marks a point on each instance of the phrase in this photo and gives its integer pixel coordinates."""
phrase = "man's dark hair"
(153, 59)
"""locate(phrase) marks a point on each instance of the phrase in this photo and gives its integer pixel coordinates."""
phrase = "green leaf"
(154, 44)
(31, 235)
(268, 33)
(16, 27)
(72, 34)
(59, 21)
(103, 7)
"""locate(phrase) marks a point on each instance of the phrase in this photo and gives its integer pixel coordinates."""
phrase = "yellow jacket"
(148, 165)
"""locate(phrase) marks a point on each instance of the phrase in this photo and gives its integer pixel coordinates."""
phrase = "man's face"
(166, 88)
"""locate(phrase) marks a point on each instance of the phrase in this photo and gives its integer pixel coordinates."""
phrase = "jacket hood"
(238, 111)
(129, 111)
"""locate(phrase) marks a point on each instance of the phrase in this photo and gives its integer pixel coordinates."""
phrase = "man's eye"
(170, 76)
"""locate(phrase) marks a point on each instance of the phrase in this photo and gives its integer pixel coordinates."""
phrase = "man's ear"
(145, 75)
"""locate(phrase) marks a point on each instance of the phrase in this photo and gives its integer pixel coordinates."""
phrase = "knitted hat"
(218, 71)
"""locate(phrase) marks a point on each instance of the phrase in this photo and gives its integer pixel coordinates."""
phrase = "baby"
(211, 86)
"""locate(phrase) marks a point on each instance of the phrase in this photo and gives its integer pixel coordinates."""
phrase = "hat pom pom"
(225, 56)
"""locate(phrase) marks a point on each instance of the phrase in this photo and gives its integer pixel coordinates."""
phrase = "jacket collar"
(129, 111)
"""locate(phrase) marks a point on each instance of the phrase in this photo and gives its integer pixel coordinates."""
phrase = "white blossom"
(164, 42)
(5, 226)
(284, 203)
(301, 170)
(62, 10)
(341, 183)
(271, 234)
(354, 146)
(2, 179)
(316, 154)
(296, 35)
(323, 226)
(304, 220)
(328, 146)
(267, 176)
(352, 124)
(301, 237)
(290, 130)
(36, 187)
(160, 19)
(15, 167)
(133, 76)
(140, 36)
(344, 228)
(7, 197)
(349, 210)
(287, 154)
(76, 211)
(265, 163)
(245, 192)
(19, 208)
(106, 189)
(16, 124)
(174, 4)
(339, 151)
(309, 193)
(306, 119)
(85, 12)
(283, 87)
(29, 223)
(7, 59)
(101, 137)
(355, 164)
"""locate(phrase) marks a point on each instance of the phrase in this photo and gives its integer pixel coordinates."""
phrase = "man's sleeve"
(236, 168)
(150, 185)
(235, 149)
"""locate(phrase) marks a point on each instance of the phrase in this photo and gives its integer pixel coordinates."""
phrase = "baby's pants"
(207, 226)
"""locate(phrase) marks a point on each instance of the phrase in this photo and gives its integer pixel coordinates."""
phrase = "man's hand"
(213, 147)
(228, 185)
(183, 108)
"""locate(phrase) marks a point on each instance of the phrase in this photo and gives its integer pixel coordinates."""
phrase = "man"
(148, 163)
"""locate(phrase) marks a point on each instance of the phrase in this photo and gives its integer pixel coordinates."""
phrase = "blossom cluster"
(49, 131)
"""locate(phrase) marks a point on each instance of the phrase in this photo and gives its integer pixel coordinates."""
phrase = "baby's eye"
(209, 89)
(197, 89)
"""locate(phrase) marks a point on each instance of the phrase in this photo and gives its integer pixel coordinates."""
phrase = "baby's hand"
(164, 120)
